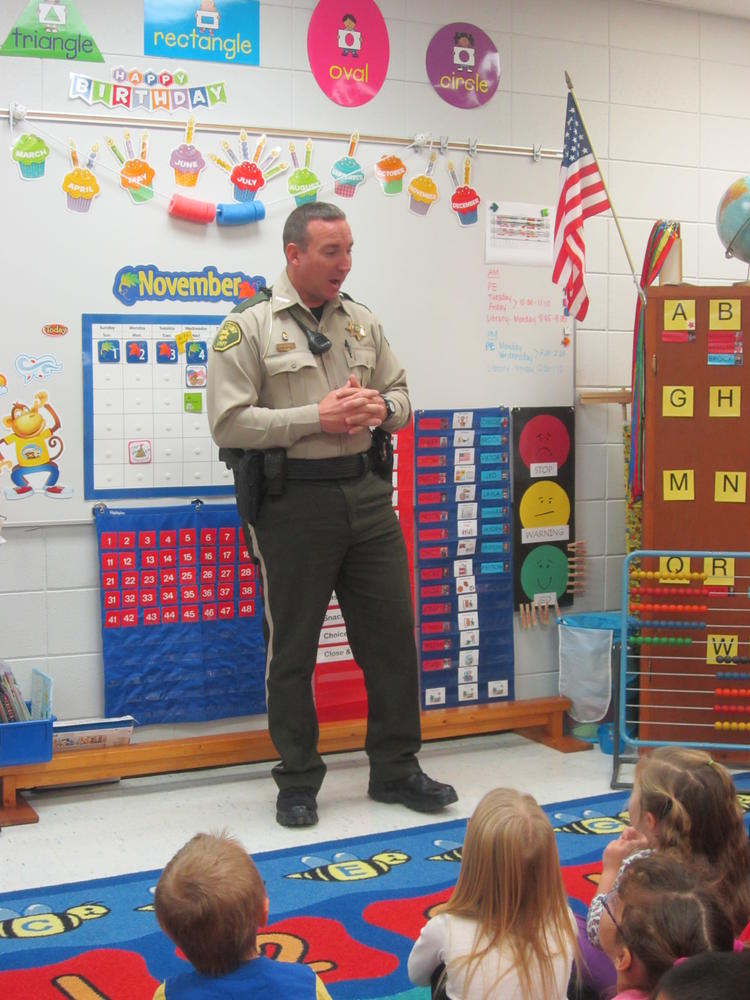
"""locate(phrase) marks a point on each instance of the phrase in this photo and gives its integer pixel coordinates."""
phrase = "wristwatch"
(390, 406)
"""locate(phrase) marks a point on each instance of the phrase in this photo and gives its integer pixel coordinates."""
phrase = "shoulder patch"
(262, 295)
(228, 335)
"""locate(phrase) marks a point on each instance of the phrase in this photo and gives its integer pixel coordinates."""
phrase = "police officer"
(304, 368)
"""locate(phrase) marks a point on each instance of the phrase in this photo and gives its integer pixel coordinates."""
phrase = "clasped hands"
(348, 409)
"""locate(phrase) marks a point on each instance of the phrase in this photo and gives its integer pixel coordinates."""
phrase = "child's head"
(713, 976)
(510, 883)
(211, 900)
(509, 867)
(659, 913)
(684, 801)
(691, 798)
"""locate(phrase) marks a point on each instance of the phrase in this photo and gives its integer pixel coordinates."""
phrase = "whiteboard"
(425, 277)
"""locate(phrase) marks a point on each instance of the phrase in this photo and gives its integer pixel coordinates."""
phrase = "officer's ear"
(292, 251)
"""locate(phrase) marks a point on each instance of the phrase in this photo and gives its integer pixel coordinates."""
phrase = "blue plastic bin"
(25, 742)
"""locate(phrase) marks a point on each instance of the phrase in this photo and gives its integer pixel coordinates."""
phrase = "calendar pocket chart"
(146, 429)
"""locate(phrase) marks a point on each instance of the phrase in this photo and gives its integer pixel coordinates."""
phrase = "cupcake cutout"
(464, 200)
(346, 172)
(390, 171)
(423, 190)
(303, 183)
(247, 179)
(80, 185)
(30, 153)
(136, 174)
(247, 175)
(186, 159)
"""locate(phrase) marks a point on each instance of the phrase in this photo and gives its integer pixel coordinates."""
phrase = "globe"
(733, 219)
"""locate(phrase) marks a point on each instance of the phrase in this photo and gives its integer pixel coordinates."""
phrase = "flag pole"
(641, 293)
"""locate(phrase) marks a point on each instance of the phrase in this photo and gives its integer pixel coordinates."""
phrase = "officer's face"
(318, 271)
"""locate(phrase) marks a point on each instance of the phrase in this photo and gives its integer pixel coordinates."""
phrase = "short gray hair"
(295, 227)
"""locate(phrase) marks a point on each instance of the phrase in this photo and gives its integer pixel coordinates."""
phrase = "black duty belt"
(346, 467)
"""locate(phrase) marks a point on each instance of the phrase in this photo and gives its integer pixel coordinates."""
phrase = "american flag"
(582, 194)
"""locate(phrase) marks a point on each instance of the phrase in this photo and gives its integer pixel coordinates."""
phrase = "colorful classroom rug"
(350, 909)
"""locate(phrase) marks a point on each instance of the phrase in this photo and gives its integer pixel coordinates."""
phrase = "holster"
(247, 468)
(382, 452)
(274, 471)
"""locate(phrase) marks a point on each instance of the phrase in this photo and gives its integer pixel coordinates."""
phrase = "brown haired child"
(684, 803)
(210, 900)
(660, 913)
(711, 976)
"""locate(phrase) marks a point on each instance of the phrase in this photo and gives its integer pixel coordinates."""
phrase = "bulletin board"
(467, 333)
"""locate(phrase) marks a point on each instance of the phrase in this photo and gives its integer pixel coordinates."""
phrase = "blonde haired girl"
(685, 803)
(506, 932)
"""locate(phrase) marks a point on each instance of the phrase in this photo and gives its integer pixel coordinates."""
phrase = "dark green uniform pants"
(340, 535)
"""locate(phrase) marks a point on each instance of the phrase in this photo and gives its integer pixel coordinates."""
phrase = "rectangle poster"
(223, 31)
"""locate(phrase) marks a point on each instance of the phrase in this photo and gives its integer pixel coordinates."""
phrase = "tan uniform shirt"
(264, 383)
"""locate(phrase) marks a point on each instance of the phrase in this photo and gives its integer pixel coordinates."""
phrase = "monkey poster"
(36, 446)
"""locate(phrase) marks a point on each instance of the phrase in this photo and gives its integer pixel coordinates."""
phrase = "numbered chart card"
(181, 614)
(463, 555)
(146, 429)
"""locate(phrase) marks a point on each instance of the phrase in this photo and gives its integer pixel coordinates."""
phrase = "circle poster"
(348, 50)
(463, 65)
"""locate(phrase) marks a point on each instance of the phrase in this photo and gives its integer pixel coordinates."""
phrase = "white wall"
(663, 92)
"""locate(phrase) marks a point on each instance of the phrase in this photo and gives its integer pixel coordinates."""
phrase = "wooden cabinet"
(696, 472)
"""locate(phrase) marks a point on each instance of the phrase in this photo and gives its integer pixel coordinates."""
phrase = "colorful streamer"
(662, 237)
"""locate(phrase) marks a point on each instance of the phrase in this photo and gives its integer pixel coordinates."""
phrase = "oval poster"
(348, 50)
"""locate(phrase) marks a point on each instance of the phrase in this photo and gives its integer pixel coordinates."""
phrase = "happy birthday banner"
(135, 98)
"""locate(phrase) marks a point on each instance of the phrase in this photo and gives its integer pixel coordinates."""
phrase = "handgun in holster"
(247, 468)
(382, 454)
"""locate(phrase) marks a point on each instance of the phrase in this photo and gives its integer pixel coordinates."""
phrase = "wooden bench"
(540, 719)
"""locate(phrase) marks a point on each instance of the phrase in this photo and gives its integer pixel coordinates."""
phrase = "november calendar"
(146, 429)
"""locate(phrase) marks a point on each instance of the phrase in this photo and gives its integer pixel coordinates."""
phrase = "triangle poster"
(51, 30)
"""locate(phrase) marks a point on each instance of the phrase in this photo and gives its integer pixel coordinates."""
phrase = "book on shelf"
(12, 706)
(6, 708)
(87, 734)
(41, 694)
